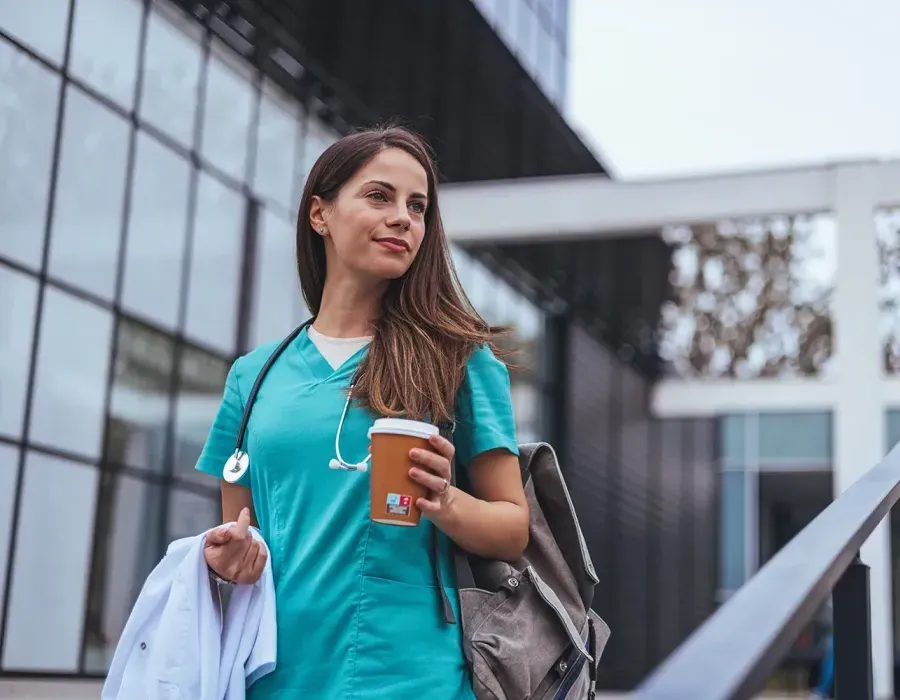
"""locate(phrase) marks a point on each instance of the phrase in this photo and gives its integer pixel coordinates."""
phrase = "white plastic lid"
(401, 426)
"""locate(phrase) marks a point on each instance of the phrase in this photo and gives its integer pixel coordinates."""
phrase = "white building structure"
(856, 389)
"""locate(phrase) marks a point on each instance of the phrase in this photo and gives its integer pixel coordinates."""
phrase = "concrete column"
(859, 421)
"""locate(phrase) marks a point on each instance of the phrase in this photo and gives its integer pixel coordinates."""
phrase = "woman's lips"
(395, 245)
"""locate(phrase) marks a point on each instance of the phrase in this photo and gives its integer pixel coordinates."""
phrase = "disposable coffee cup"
(393, 492)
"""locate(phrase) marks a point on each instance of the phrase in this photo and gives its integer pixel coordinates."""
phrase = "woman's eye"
(418, 207)
(378, 196)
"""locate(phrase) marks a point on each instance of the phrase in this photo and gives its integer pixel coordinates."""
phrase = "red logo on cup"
(404, 500)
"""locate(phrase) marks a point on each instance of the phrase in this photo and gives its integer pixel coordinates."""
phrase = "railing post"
(853, 634)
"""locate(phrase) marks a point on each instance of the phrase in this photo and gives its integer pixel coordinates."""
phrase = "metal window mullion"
(131, 158)
(36, 329)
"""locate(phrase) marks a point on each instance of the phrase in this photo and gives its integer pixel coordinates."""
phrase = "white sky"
(676, 87)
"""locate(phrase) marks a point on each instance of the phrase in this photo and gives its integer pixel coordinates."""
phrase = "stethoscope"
(239, 462)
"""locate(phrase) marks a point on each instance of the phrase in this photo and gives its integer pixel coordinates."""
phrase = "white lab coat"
(175, 645)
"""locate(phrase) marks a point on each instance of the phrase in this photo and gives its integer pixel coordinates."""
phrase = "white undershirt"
(337, 350)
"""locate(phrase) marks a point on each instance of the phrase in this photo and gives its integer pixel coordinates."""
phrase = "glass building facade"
(146, 239)
(536, 31)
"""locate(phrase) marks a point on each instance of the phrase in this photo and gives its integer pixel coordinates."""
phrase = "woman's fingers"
(430, 481)
(259, 564)
(435, 463)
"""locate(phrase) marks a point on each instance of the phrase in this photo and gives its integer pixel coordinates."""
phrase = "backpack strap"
(464, 576)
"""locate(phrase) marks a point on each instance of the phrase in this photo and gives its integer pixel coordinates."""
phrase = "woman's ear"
(318, 215)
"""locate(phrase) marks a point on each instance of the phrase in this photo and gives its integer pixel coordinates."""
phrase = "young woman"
(359, 614)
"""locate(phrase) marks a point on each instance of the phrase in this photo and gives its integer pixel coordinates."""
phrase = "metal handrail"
(734, 652)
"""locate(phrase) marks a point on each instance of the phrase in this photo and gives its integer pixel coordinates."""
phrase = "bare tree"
(887, 224)
(751, 298)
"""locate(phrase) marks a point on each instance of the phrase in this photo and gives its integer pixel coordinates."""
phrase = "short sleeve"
(219, 445)
(484, 413)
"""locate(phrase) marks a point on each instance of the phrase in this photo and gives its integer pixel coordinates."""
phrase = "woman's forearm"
(495, 530)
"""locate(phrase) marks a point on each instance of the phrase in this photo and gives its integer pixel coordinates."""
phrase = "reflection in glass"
(190, 513)
(276, 146)
(172, 65)
(200, 392)
(18, 293)
(216, 254)
(28, 106)
(734, 529)
(72, 362)
(526, 402)
(318, 138)
(44, 31)
(46, 611)
(733, 442)
(752, 298)
(228, 112)
(9, 466)
(105, 46)
(277, 302)
(126, 547)
(795, 440)
(87, 221)
(139, 405)
(156, 233)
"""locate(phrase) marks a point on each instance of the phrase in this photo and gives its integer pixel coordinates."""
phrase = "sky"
(663, 88)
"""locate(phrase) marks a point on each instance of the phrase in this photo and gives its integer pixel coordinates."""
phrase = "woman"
(358, 610)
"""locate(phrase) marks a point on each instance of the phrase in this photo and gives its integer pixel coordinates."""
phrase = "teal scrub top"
(358, 611)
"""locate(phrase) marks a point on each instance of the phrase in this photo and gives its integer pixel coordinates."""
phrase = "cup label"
(398, 504)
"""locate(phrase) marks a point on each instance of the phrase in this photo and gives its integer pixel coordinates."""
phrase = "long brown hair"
(428, 327)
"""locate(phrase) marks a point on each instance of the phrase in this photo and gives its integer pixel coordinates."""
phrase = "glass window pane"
(44, 31)
(734, 531)
(202, 383)
(28, 107)
(72, 362)
(190, 513)
(46, 611)
(228, 112)
(318, 138)
(9, 467)
(276, 146)
(139, 405)
(526, 399)
(105, 42)
(172, 65)
(19, 295)
(84, 246)
(127, 545)
(216, 260)
(732, 440)
(892, 431)
(156, 233)
(278, 303)
(794, 438)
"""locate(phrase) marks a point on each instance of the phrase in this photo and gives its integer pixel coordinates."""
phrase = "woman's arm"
(492, 522)
(234, 499)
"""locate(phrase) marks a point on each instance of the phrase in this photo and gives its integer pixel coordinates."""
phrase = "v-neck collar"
(318, 364)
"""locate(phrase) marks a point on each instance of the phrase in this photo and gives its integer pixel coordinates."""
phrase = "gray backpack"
(528, 629)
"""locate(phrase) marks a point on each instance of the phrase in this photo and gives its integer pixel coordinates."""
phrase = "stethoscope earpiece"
(335, 464)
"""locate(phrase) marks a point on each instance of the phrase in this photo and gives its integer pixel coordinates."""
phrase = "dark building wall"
(647, 498)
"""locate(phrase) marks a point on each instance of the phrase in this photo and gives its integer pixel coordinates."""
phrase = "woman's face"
(375, 225)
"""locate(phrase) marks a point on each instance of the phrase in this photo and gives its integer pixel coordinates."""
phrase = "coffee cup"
(393, 493)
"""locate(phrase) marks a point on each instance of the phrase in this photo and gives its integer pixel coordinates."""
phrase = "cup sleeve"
(219, 445)
(484, 413)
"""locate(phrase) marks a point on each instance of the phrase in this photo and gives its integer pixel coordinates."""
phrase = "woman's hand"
(433, 471)
(234, 554)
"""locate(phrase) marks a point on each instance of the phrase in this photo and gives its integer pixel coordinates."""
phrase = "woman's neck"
(348, 309)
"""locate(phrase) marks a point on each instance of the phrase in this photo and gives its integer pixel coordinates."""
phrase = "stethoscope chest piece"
(236, 466)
